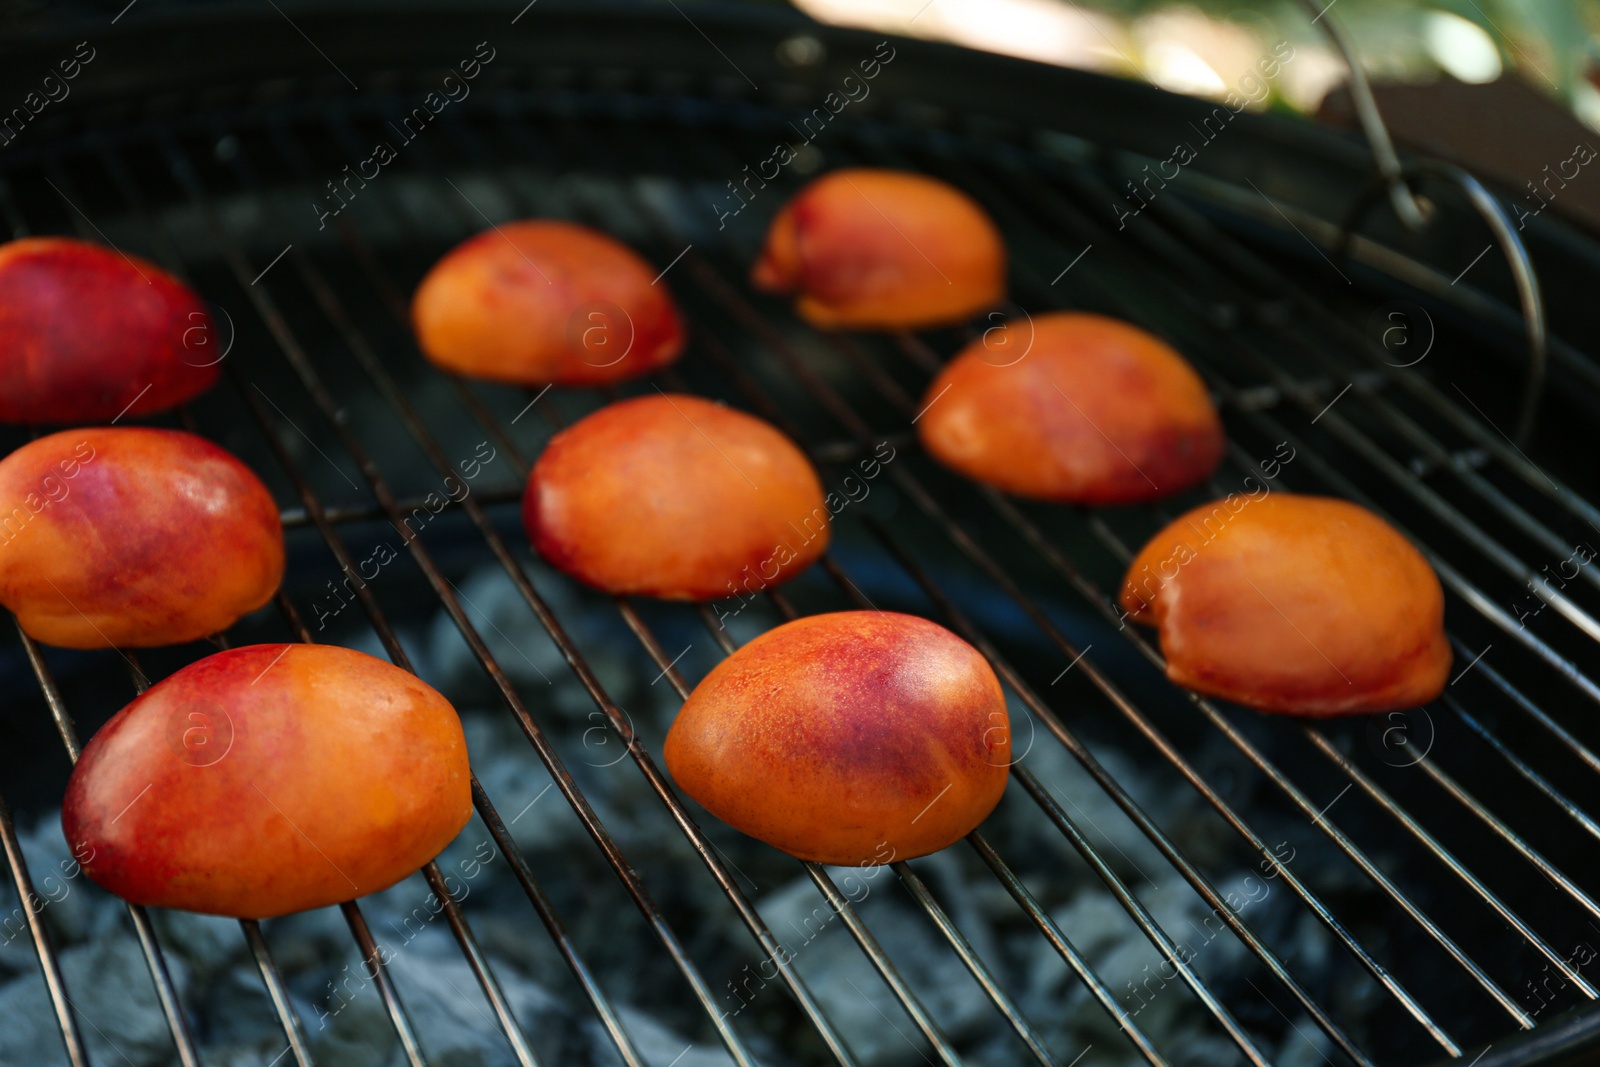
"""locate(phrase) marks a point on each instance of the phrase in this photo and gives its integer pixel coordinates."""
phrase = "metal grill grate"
(1421, 879)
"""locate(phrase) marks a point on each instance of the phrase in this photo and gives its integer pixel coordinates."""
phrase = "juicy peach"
(542, 302)
(269, 779)
(1075, 408)
(131, 537)
(883, 250)
(855, 738)
(1299, 604)
(87, 333)
(674, 496)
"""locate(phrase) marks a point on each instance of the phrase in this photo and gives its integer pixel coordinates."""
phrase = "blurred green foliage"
(1552, 43)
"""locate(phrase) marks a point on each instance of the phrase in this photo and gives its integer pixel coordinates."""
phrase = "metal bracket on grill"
(1396, 181)
(1516, 254)
(1413, 213)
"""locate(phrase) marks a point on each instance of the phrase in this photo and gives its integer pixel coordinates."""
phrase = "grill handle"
(1413, 214)
(1516, 253)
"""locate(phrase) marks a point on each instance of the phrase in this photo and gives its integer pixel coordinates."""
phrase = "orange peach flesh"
(1074, 408)
(883, 250)
(855, 738)
(1297, 604)
(541, 302)
(673, 496)
(269, 779)
(132, 537)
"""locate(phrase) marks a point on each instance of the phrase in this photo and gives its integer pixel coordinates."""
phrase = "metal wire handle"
(1411, 213)
(1414, 214)
(1516, 254)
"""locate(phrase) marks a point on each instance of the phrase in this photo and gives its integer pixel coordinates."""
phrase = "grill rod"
(381, 383)
(447, 595)
(155, 960)
(1103, 602)
(1055, 209)
(641, 757)
(1577, 814)
(1451, 577)
(1202, 235)
(776, 343)
(1100, 600)
(1495, 824)
(794, 363)
(936, 917)
(374, 368)
(1244, 462)
(390, 998)
(772, 341)
(278, 994)
(49, 964)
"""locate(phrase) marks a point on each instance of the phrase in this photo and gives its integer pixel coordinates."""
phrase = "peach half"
(269, 779)
(1074, 408)
(872, 249)
(1298, 604)
(88, 333)
(544, 302)
(856, 738)
(674, 496)
(132, 537)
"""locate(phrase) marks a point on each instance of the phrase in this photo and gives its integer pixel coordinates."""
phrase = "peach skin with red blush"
(1073, 408)
(269, 779)
(672, 496)
(133, 537)
(856, 738)
(543, 302)
(88, 334)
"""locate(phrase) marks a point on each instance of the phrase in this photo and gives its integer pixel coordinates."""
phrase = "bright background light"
(1461, 47)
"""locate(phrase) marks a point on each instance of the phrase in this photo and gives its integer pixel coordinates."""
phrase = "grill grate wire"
(513, 123)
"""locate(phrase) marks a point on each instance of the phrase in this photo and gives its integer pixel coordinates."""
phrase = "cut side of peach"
(544, 302)
(674, 496)
(1298, 604)
(873, 249)
(1074, 408)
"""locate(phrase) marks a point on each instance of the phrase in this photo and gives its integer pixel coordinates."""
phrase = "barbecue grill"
(1426, 878)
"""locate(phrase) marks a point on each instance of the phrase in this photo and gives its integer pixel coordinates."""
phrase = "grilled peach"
(1075, 408)
(855, 738)
(674, 496)
(131, 537)
(883, 250)
(1298, 604)
(269, 779)
(87, 334)
(541, 302)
